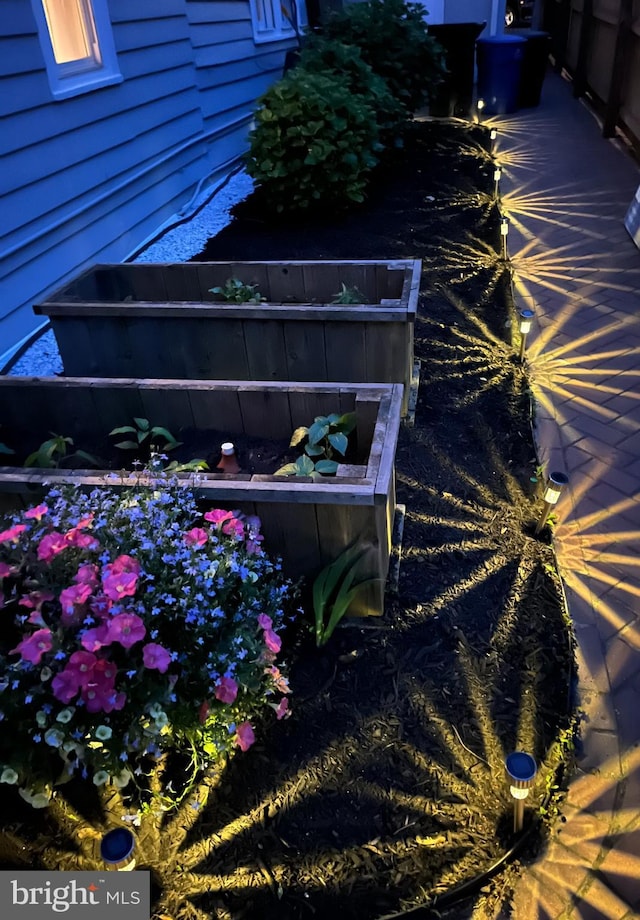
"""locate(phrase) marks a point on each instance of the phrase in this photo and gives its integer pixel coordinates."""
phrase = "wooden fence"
(598, 43)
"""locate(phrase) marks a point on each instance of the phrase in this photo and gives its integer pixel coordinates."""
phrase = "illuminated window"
(274, 20)
(77, 44)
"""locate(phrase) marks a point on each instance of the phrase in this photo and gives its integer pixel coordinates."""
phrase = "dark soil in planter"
(386, 787)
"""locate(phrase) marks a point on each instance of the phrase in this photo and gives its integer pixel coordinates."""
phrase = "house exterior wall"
(88, 178)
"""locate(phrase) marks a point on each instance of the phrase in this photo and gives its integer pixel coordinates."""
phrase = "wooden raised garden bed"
(308, 522)
(160, 320)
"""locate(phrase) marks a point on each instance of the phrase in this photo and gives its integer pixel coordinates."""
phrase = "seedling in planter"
(54, 452)
(146, 435)
(328, 434)
(348, 295)
(235, 291)
(334, 591)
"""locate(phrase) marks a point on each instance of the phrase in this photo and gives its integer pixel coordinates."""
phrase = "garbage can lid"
(502, 40)
(530, 33)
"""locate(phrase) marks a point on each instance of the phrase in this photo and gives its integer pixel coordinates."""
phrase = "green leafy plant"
(235, 291)
(5, 450)
(392, 38)
(190, 466)
(54, 452)
(327, 435)
(314, 145)
(332, 57)
(334, 591)
(145, 435)
(348, 295)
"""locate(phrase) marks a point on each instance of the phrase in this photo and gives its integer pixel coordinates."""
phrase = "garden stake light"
(479, 108)
(526, 319)
(493, 135)
(553, 491)
(497, 175)
(504, 232)
(521, 770)
(116, 849)
(228, 460)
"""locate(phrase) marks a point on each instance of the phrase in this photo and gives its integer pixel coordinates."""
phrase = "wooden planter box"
(159, 320)
(309, 523)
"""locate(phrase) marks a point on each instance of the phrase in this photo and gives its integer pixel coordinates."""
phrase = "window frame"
(73, 78)
(282, 28)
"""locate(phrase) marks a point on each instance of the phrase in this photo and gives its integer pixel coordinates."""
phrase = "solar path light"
(116, 849)
(552, 492)
(521, 770)
(524, 326)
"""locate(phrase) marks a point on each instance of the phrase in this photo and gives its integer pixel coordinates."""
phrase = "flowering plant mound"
(132, 625)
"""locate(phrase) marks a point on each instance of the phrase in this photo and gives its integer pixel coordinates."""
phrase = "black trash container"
(455, 95)
(499, 64)
(535, 58)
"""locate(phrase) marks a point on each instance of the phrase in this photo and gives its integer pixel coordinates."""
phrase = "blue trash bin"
(499, 66)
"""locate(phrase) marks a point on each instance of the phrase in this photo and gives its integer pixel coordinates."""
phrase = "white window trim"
(76, 78)
(283, 28)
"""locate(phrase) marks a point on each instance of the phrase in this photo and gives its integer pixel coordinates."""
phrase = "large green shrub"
(330, 57)
(392, 38)
(314, 144)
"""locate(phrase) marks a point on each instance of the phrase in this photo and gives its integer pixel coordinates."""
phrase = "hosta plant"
(327, 436)
(133, 624)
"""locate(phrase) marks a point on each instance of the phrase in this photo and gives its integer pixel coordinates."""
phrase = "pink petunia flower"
(35, 599)
(226, 690)
(234, 528)
(245, 736)
(99, 698)
(100, 605)
(272, 641)
(72, 601)
(87, 574)
(127, 629)
(76, 537)
(265, 622)
(65, 685)
(96, 638)
(120, 584)
(50, 546)
(217, 516)
(83, 664)
(123, 563)
(196, 537)
(282, 711)
(155, 657)
(33, 647)
(13, 534)
(280, 681)
(36, 513)
(203, 712)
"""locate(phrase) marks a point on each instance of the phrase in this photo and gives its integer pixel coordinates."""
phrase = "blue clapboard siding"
(89, 178)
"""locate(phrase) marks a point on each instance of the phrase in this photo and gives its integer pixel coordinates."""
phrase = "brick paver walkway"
(566, 191)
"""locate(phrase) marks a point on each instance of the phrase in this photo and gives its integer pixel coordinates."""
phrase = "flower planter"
(308, 522)
(160, 320)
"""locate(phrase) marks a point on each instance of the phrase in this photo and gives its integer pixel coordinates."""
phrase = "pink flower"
(272, 641)
(117, 585)
(282, 711)
(95, 638)
(83, 665)
(35, 599)
(65, 685)
(126, 628)
(280, 681)
(123, 563)
(85, 522)
(265, 622)
(72, 601)
(234, 528)
(50, 546)
(245, 736)
(38, 512)
(226, 690)
(87, 575)
(196, 537)
(75, 537)
(33, 647)
(155, 657)
(100, 605)
(217, 516)
(102, 698)
(203, 712)
(13, 534)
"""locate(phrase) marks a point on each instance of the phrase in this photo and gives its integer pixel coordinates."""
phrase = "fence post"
(580, 76)
(619, 68)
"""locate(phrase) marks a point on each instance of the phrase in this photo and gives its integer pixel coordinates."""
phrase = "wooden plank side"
(169, 408)
(216, 410)
(265, 413)
(391, 410)
(286, 282)
(321, 282)
(361, 276)
(182, 283)
(265, 349)
(345, 346)
(158, 346)
(115, 404)
(293, 534)
(306, 404)
(226, 349)
(75, 344)
(111, 346)
(305, 350)
(147, 280)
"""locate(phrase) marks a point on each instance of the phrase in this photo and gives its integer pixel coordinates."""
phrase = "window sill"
(87, 83)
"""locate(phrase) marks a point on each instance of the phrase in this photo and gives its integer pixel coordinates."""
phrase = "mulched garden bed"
(386, 787)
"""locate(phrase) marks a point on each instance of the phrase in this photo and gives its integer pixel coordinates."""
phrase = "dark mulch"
(386, 787)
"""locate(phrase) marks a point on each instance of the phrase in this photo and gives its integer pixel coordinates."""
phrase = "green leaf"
(314, 450)
(326, 467)
(339, 441)
(304, 466)
(126, 429)
(289, 469)
(6, 450)
(126, 445)
(347, 422)
(165, 434)
(142, 423)
(317, 432)
(86, 456)
(298, 435)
